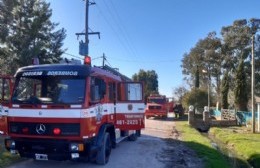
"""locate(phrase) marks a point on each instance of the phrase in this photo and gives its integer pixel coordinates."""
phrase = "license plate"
(41, 156)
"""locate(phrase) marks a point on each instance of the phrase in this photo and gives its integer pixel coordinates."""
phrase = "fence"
(242, 117)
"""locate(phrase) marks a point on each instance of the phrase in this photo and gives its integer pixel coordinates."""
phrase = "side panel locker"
(130, 106)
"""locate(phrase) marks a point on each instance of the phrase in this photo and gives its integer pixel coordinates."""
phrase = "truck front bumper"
(47, 149)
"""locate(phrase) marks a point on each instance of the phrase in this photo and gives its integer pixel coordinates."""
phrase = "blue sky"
(148, 34)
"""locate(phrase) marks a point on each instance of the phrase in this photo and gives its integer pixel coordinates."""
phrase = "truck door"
(112, 100)
(5, 95)
(130, 106)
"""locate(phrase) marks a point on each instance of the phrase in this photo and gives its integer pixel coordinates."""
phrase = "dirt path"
(174, 154)
(158, 147)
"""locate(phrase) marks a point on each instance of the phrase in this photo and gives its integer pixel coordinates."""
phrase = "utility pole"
(86, 23)
(253, 84)
(83, 46)
(103, 58)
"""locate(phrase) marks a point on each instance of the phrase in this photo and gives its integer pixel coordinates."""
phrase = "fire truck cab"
(71, 112)
(158, 106)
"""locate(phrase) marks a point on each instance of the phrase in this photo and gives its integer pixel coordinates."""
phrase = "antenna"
(83, 46)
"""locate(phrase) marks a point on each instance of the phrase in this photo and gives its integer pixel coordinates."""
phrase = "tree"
(257, 65)
(237, 42)
(27, 32)
(236, 38)
(179, 92)
(197, 78)
(195, 97)
(206, 55)
(224, 90)
(240, 90)
(223, 54)
(150, 80)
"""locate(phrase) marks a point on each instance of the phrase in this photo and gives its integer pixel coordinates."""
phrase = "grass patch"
(5, 157)
(243, 142)
(202, 145)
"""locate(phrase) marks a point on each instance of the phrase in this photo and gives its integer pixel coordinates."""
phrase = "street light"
(255, 25)
(209, 84)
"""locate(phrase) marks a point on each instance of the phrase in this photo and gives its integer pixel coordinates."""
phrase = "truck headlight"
(76, 147)
(10, 144)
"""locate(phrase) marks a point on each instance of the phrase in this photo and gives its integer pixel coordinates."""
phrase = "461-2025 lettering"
(127, 122)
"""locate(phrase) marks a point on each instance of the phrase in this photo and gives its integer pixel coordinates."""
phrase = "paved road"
(152, 149)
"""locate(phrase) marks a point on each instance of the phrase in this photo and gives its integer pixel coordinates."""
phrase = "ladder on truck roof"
(115, 72)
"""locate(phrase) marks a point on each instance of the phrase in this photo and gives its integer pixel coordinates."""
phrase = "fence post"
(191, 115)
(206, 118)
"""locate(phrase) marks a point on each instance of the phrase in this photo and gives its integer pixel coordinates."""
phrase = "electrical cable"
(124, 30)
(122, 39)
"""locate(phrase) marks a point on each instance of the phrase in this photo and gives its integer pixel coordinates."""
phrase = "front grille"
(46, 128)
(41, 146)
(155, 107)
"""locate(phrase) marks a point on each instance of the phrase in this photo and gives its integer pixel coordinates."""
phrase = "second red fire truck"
(158, 106)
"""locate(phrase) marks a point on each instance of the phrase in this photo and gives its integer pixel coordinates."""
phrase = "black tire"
(132, 137)
(105, 150)
(138, 133)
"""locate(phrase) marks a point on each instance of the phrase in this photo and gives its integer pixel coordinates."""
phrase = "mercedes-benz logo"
(40, 129)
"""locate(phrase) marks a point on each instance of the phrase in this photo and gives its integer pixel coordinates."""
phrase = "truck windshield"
(49, 90)
(157, 100)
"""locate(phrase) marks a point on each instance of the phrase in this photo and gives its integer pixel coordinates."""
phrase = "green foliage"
(196, 97)
(240, 90)
(197, 78)
(223, 54)
(206, 55)
(243, 142)
(6, 158)
(150, 80)
(202, 145)
(179, 92)
(224, 90)
(27, 32)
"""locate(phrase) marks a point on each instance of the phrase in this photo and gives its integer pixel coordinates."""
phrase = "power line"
(80, 57)
(74, 56)
(108, 63)
(115, 17)
(124, 30)
(137, 61)
(112, 28)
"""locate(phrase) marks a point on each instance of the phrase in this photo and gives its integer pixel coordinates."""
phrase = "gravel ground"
(174, 154)
(159, 146)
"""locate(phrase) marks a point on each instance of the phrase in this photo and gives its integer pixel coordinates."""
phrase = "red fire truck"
(6, 85)
(72, 112)
(158, 105)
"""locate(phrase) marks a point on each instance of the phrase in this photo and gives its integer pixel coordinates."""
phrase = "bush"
(195, 97)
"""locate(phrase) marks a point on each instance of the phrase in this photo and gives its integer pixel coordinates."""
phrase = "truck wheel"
(138, 133)
(105, 150)
(132, 137)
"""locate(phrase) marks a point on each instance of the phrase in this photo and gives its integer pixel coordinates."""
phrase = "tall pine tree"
(240, 91)
(224, 90)
(27, 32)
